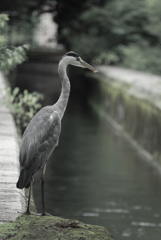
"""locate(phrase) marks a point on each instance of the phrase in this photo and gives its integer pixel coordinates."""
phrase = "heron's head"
(74, 59)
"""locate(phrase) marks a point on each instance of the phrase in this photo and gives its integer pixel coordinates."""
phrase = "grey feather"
(39, 140)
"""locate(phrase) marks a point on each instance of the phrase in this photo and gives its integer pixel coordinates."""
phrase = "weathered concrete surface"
(138, 84)
(12, 200)
(49, 227)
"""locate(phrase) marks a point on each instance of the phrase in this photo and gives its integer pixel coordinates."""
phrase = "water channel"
(96, 176)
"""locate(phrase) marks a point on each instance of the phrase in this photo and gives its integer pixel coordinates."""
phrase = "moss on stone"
(136, 115)
(50, 227)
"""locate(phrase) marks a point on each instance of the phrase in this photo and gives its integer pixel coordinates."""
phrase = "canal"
(96, 176)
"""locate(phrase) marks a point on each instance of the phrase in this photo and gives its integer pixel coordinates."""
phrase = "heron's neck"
(65, 91)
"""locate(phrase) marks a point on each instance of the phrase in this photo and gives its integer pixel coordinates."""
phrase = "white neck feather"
(65, 91)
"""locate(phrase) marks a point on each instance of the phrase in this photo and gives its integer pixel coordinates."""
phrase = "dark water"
(95, 176)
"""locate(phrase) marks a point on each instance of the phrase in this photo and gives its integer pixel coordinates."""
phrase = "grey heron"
(42, 133)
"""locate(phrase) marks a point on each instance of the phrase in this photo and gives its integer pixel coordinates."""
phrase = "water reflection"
(95, 176)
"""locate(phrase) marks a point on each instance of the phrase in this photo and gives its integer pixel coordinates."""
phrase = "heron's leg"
(28, 204)
(42, 188)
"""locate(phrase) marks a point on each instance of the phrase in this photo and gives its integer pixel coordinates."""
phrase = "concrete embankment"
(131, 101)
(138, 84)
(12, 200)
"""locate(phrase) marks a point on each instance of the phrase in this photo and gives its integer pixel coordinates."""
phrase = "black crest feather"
(72, 54)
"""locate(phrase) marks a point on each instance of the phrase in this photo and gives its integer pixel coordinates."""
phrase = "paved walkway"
(138, 84)
(11, 199)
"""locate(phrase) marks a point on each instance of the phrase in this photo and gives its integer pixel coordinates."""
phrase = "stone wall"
(131, 101)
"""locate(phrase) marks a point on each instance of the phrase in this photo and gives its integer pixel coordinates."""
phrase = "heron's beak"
(86, 65)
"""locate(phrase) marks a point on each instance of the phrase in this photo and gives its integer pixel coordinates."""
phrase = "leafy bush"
(117, 32)
(23, 106)
(145, 58)
(3, 20)
(9, 56)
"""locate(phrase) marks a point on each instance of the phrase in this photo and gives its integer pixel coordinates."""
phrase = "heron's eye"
(78, 58)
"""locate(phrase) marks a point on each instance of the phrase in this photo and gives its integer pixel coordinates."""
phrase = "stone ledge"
(50, 227)
(12, 200)
(139, 84)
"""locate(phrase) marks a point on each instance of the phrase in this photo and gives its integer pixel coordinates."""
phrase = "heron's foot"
(26, 213)
(46, 214)
(41, 214)
(35, 214)
(30, 213)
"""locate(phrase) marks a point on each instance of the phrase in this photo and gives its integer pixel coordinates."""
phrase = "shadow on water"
(96, 176)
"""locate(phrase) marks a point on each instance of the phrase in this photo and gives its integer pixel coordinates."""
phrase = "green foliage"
(145, 58)
(23, 17)
(3, 19)
(106, 58)
(22, 105)
(9, 56)
(117, 32)
(103, 29)
(154, 19)
(3, 22)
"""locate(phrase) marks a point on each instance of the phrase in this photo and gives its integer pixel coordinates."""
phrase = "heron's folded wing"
(40, 139)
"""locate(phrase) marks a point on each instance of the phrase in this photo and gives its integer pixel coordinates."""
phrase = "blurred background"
(95, 175)
(128, 32)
